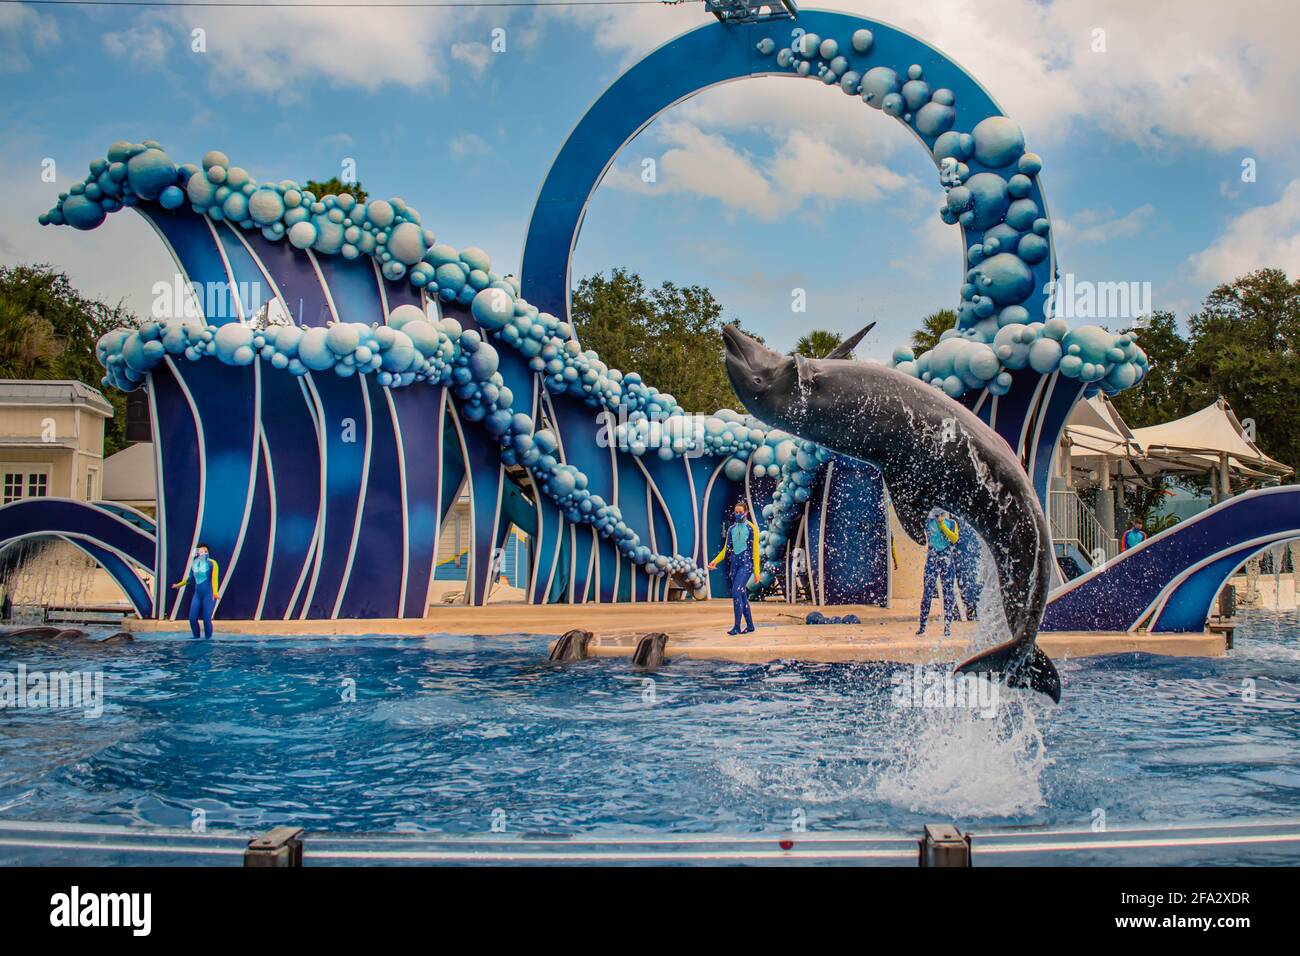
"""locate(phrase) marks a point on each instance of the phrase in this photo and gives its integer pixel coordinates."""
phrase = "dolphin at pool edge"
(955, 462)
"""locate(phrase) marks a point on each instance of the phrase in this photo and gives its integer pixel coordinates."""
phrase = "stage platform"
(698, 629)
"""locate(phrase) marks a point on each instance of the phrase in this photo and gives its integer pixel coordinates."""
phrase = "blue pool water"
(445, 731)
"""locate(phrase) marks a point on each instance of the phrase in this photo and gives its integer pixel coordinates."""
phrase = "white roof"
(1095, 428)
(129, 475)
(53, 391)
(1201, 437)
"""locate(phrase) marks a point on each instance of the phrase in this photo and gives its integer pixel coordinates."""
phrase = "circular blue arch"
(719, 53)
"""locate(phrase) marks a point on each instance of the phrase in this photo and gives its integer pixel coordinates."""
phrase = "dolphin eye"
(758, 380)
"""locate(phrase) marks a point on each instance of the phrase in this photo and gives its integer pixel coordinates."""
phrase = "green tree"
(1163, 394)
(670, 335)
(818, 343)
(932, 326)
(28, 346)
(59, 328)
(1245, 345)
(333, 186)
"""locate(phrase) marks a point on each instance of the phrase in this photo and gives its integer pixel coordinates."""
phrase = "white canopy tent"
(1211, 440)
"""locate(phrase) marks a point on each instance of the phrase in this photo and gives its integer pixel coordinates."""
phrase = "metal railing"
(1073, 522)
(1263, 841)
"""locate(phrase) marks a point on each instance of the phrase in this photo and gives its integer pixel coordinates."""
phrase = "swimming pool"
(456, 735)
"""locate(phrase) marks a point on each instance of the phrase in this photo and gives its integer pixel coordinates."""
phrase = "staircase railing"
(1073, 522)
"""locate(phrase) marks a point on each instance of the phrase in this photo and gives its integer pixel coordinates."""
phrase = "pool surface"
(458, 735)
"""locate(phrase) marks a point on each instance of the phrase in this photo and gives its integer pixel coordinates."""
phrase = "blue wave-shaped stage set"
(318, 460)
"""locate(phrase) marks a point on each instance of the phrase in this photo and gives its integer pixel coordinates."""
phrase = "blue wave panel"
(1188, 607)
(550, 555)
(176, 433)
(250, 284)
(374, 587)
(716, 501)
(225, 397)
(295, 469)
(420, 432)
(345, 423)
(585, 440)
(192, 243)
(674, 516)
(1016, 406)
(632, 502)
(848, 534)
(453, 465)
(486, 476)
(291, 270)
(1052, 416)
(402, 292)
(106, 537)
(241, 585)
(1116, 596)
(120, 571)
(354, 288)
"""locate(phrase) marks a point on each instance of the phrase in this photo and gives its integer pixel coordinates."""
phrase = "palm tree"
(932, 326)
(818, 344)
(28, 346)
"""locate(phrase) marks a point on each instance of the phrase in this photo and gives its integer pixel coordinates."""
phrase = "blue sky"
(762, 186)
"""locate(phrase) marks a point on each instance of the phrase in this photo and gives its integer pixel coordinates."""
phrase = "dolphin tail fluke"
(1016, 668)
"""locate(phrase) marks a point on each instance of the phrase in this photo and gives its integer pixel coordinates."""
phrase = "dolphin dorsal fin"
(848, 345)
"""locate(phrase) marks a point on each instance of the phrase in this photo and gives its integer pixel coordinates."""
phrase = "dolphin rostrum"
(572, 646)
(932, 453)
(649, 651)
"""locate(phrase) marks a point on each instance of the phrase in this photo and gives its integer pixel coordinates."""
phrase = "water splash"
(950, 760)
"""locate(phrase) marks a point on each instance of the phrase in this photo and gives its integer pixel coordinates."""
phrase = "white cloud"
(22, 28)
(1266, 236)
(283, 49)
(1221, 76)
(803, 169)
(468, 145)
(473, 55)
(142, 45)
(1092, 225)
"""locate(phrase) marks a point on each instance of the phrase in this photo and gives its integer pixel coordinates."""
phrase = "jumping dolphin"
(932, 453)
(572, 646)
(649, 651)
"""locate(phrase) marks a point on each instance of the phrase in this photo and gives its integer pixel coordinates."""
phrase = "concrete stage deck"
(697, 629)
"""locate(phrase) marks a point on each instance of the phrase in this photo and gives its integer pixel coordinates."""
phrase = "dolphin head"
(768, 383)
(761, 377)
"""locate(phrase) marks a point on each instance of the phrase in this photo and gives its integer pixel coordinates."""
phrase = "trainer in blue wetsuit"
(1133, 536)
(741, 551)
(204, 572)
(942, 533)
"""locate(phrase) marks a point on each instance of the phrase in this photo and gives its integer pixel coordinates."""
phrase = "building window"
(25, 484)
(90, 485)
